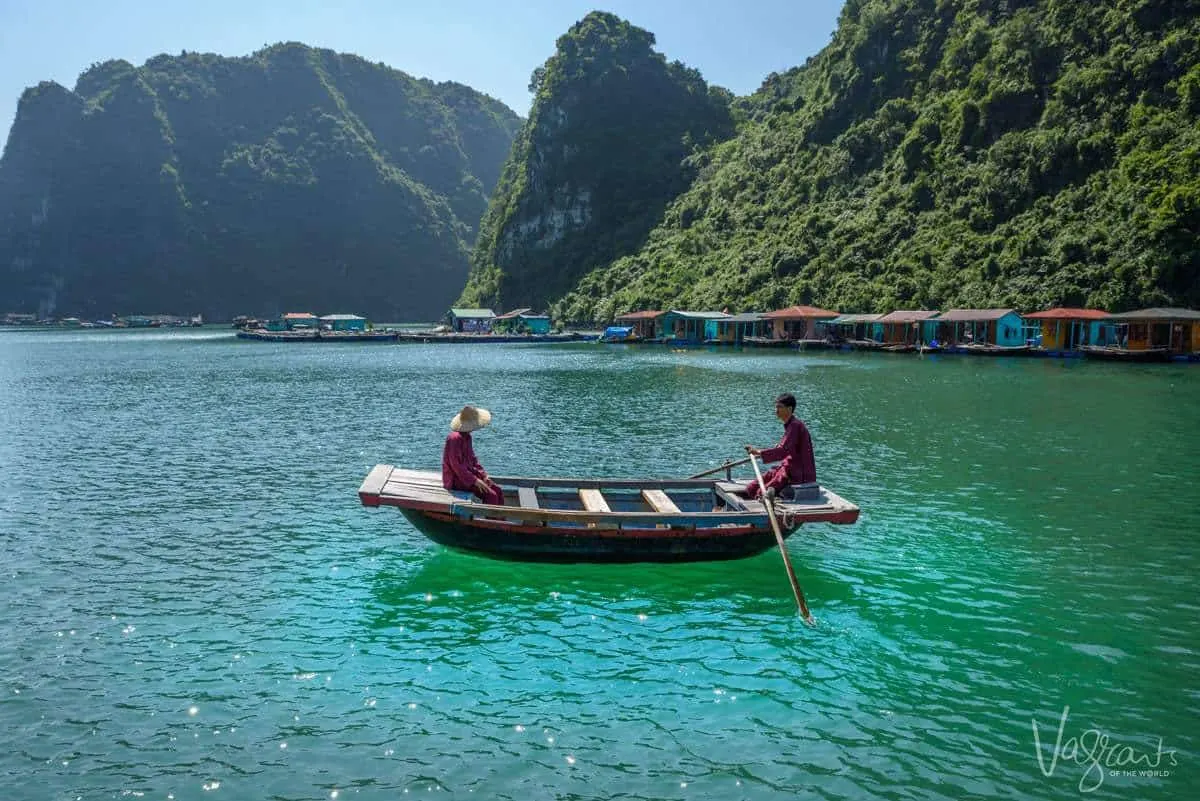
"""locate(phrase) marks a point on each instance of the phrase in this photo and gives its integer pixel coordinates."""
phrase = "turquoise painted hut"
(908, 326)
(997, 327)
(293, 321)
(646, 324)
(691, 327)
(1063, 331)
(734, 330)
(471, 320)
(857, 328)
(522, 321)
(343, 322)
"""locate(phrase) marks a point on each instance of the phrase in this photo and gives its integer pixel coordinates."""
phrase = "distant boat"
(601, 520)
(315, 335)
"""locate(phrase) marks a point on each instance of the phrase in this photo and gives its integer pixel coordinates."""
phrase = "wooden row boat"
(980, 349)
(766, 342)
(1110, 353)
(600, 520)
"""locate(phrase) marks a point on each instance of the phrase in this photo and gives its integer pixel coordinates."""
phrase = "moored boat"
(601, 520)
(766, 342)
(1112, 353)
(980, 349)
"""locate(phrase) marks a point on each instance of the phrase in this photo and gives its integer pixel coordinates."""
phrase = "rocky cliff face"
(603, 151)
(292, 179)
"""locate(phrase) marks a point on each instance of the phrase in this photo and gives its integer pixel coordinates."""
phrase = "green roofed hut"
(471, 320)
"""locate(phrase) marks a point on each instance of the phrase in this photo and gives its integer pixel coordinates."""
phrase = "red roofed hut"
(1065, 330)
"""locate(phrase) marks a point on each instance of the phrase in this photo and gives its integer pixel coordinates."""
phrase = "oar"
(808, 618)
(725, 466)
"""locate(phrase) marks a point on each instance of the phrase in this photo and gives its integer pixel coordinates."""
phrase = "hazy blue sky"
(491, 45)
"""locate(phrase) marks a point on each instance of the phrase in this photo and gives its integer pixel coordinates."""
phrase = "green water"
(194, 605)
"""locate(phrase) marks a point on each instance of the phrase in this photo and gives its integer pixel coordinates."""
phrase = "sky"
(489, 45)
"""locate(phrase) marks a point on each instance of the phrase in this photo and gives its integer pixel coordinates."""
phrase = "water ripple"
(196, 606)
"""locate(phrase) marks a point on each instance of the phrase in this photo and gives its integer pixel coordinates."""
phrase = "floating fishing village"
(1144, 335)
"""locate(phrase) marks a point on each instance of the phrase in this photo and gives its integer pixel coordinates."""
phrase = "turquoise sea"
(193, 604)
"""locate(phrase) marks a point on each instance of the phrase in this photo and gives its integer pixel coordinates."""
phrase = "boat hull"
(546, 544)
(1124, 355)
(601, 520)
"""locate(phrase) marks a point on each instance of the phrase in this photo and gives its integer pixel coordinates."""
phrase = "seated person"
(460, 469)
(794, 452)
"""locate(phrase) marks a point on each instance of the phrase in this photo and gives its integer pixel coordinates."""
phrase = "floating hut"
(800, 324)
(745, 328)
(471, 320)
(645, 324)
(691, 327)
(864, 331)
(292, 321)
(907, 329)
(1158, 333)
(522, 321)
(1063, 331)
(343, 322)
(981, 330)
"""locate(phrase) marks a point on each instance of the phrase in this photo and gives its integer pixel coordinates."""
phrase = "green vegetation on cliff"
(293, 179)
(602, 154)
(943, 153)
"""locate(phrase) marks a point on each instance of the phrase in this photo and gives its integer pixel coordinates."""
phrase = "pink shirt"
(795, 451)
(460, 468)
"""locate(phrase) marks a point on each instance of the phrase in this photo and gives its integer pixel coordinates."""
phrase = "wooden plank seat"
(659, 501)
(593, 500)
(528, 497)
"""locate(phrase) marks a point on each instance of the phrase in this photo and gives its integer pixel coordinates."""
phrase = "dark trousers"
(776, 478)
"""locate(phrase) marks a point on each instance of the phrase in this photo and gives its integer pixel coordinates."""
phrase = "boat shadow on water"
(480, 589)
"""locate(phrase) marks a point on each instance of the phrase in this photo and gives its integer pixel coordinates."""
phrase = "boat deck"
(620, 502)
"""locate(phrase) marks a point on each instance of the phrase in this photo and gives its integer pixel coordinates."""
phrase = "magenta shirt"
(795, 451)
(460, 468)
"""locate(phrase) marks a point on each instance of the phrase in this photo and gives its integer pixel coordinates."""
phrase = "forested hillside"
(944, 153)
(292, 179)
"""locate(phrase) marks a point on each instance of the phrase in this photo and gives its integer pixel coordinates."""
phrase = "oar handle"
(770, 506)
(725, 466)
